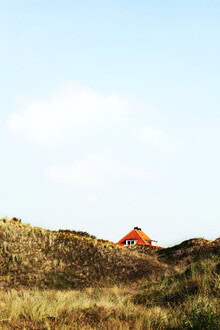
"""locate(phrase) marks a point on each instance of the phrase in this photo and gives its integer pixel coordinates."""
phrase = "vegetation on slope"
(187, 300)
(123, 288)
(33, 257)
(189, 251)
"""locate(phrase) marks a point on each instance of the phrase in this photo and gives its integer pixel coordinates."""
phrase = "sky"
(110, 116)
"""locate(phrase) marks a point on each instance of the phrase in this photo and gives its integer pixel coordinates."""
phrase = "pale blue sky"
(109, 116)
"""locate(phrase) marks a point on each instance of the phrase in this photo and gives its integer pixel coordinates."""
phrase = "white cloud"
(97, 171)
(91, 199)
(71, 108)
(155, 138)
(73, 114)
(74, 111)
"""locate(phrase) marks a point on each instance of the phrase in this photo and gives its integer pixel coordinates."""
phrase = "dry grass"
(93, 308)
(62, 280)
(99, 309)
(34, 257)
(170, 303)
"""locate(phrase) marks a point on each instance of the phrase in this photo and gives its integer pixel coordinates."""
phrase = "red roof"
(137, 234)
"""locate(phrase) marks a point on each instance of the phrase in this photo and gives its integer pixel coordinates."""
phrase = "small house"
(136, 236)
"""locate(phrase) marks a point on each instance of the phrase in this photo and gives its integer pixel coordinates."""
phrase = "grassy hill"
(33, 257)
(71, 280)
(190, 251)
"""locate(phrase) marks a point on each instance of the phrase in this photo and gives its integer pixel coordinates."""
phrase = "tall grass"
(61, 280)
(92, 308)
(187, 300)
(34, 257)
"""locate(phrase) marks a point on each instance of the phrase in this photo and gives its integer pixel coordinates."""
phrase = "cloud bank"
(69, 109)
(96, 171)
(71, 117)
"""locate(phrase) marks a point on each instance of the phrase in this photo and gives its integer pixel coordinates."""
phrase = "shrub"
(201, 317)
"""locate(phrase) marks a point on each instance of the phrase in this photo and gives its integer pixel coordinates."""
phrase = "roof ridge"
(137, 231)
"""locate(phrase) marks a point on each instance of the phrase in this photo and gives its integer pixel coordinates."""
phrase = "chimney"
(137, 228)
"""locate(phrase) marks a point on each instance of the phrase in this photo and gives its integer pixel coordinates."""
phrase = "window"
(130, 242)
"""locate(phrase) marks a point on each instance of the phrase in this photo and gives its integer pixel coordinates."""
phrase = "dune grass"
(187, 300)
(35, 257)
(93, 308)
(71, 280)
